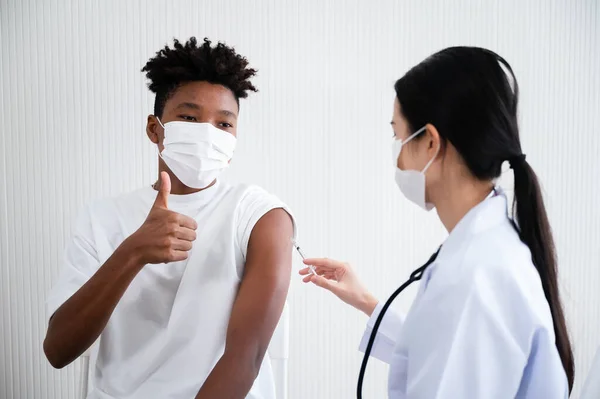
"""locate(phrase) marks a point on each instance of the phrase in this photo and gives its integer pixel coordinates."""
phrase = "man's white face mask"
(412, 182)
(196, 153)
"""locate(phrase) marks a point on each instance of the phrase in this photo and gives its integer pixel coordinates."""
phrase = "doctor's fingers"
(328, 276)
(328, 284)
(318, 269)
(326, 263)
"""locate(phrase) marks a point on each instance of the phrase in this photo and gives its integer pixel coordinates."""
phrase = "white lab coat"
(480, 326)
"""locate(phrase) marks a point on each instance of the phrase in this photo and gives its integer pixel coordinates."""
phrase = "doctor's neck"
(458, 197)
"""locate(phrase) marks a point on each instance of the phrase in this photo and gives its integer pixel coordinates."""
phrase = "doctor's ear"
(153, 129)
(433, 137)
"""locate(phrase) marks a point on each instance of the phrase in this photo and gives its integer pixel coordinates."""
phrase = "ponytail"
(534, 230)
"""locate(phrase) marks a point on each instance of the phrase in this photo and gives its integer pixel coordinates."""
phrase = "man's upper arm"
(264, 286)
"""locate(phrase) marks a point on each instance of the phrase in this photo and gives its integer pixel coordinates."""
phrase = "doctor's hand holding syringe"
(339, 278)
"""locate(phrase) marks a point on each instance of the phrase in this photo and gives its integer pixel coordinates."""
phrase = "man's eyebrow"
(188, 105)
(228, 113)
(195, 106)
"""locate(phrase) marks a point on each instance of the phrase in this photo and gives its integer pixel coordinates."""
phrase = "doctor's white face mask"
(196, 153)
(412, 182)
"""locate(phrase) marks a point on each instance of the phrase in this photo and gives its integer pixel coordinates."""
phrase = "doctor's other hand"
(165, 236)
(339, 278)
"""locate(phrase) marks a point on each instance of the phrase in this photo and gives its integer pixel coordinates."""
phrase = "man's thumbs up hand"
(165, 236)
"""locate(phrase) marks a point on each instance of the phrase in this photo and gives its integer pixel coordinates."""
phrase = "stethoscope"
(414, 276)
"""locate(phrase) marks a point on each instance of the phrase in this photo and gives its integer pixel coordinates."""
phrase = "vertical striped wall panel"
(73, 106)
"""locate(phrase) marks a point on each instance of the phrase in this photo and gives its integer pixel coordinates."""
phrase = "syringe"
(311, 267)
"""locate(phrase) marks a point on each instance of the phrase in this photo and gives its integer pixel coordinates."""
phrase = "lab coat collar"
(489, 213)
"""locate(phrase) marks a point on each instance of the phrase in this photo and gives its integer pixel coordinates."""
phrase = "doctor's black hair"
(471, 95)
(220, 64)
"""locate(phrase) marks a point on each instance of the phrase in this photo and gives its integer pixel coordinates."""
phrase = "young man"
(182, 283)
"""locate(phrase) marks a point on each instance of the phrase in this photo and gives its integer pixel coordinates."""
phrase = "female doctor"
(487, 321)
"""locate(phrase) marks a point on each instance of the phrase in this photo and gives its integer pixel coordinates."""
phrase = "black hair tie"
(516, 160)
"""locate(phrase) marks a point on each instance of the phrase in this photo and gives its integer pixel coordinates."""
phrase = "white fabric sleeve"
(255, 203)
(387, 334)
(80, 263)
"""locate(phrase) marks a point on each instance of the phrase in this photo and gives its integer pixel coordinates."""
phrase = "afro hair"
(220, 64)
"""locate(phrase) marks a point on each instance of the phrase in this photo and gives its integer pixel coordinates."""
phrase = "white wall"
(72, 113)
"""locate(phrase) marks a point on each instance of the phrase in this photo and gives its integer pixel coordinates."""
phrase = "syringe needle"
(311, 267)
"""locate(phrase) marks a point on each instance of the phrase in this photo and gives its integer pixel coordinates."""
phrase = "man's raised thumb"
(164, 189)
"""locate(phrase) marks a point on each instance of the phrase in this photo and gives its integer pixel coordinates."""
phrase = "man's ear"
(153, 128)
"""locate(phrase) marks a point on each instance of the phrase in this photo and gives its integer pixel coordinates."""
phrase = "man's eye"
(226, 125)
(188, 118)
